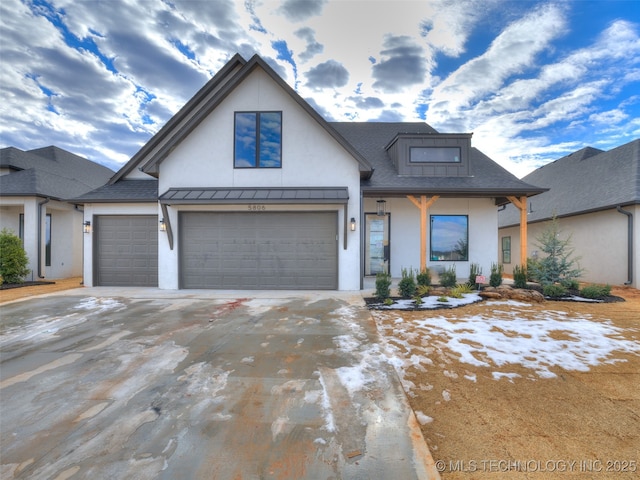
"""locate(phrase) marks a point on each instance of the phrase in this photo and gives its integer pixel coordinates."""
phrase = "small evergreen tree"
(407, 284)
(13, 258)
(557, 266)
(519, 277)
(474, 271)
(383, 286)
(495, 279)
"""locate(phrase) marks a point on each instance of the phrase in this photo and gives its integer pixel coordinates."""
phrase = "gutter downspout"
(630, 244)
(40, 204)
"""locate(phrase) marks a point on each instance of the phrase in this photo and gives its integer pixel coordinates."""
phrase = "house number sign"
(257, 208)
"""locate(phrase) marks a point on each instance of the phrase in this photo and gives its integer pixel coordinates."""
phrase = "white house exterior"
(192, 210)
(33, 187)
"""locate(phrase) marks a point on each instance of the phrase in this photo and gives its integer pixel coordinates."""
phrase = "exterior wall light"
(163, 226)
(382, 207)
(353, 224)
(86, 227)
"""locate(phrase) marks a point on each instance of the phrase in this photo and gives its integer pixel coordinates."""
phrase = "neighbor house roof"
(486, 179)
(585, 181)
(124, 191)
(49, 172)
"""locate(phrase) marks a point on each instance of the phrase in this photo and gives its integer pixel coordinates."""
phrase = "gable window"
(258, 140)
(449, 238)
(434, 155)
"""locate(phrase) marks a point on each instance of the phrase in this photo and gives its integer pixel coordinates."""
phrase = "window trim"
(435, 258)
(258, 134)
(506, 251)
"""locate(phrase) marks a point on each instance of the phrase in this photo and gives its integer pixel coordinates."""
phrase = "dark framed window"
(47, 240)
(434, 154)
(506, 249)
(21, 228)
(258, 140)
(449, 238)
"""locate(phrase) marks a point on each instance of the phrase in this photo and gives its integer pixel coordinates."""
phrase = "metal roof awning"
(222, 196)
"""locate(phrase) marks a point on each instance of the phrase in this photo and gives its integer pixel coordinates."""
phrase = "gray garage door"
(266, 250)
(126, 250)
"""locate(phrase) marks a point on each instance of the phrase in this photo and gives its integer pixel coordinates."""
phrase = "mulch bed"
(7, 286)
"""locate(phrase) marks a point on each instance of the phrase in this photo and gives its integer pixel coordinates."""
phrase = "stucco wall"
(599, 238)
(66, 231)
(310, 158)
(405, 232)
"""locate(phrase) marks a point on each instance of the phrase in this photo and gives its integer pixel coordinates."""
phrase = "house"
(595, 196)
(248, 187)
(33, 187)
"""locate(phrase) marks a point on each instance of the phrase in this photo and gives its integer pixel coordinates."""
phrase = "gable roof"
(487, 179)
(205, 101)
(49, 172)
(585, 181)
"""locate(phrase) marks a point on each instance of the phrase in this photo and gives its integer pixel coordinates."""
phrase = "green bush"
(448, 278)
(474, 271)
(570, 284)
(383, 286)
(519, 277)
(595, 291)
(13, 258)
(558, 265)
(443, 298)
(407, 284)
(418, 300)
(495, 279)
(554, 290)
(424, 277)
(533, 265)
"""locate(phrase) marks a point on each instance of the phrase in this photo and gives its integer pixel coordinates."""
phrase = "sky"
(532, 80)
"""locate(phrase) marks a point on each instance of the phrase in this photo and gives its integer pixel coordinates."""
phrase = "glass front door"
(377, 244)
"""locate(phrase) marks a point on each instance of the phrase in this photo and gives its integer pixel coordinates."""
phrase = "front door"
(377, 243)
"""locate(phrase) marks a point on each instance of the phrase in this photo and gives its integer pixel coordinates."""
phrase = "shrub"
(13, 258)
(443, 298)
(388, 302)
(383, 286)
(519, 277)
(448, 277)
(474, 271)
(418, 300)
(458, 290)
(424, 277)
(554, 290)
(533, 265)
(407, 284)
(595, 291)
(495, 279)
(423, 290)
(570, 284)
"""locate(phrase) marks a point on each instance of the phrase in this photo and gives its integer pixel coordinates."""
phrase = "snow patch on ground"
(431, 302)
(422, 418)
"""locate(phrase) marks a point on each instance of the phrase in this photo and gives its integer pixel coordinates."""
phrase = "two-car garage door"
(258, 250)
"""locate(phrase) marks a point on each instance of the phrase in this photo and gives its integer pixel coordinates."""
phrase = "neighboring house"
(595, 196)
(248, 187)
(33, 187)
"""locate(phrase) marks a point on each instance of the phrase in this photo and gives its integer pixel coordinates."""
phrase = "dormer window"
(258, 140)
(431, 154)
(434, 155)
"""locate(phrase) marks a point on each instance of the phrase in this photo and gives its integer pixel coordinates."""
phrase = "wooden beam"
(521, 204)
(423, 205)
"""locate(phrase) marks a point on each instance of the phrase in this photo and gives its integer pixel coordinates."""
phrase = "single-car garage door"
(264, 250)
(126, 250)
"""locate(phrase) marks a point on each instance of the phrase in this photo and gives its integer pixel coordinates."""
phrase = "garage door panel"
(126, 250)
(269, 250)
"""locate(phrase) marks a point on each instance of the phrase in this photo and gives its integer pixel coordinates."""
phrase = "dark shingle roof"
(585, 181)
(49, 172)
(487, 177)
(123, 191)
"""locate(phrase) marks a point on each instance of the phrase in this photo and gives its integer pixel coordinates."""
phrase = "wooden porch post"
(521, 204)
(423, 205)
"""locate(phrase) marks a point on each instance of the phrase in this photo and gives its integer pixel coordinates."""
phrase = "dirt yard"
(510, 390)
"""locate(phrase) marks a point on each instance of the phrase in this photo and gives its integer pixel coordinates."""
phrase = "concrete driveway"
(143, 384)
